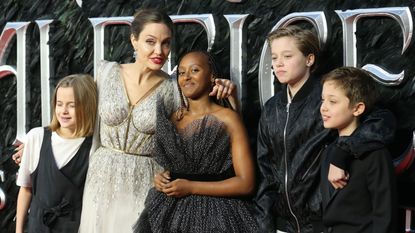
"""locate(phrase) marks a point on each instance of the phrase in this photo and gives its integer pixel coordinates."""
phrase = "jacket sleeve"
(382, 188)
(376, 130)
(266, 193)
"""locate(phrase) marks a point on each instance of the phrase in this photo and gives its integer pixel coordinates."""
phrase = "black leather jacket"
(291, 138)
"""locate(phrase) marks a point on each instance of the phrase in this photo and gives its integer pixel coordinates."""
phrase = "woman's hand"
(17, 157)
(226, 89)
(178, 188)
(223, 88)
(161, 179)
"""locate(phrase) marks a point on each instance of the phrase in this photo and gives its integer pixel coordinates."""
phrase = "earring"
(135, 54)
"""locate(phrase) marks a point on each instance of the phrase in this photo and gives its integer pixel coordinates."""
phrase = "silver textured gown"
(121, 170)
(200, 151)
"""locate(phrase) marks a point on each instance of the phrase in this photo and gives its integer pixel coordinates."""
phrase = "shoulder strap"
(149, 91)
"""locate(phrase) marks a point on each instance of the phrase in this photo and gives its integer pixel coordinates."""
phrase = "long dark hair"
(145, 16)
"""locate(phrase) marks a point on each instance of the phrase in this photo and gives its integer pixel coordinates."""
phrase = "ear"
(134, 41)
(310, 60)
(359, 109)
(212, 79)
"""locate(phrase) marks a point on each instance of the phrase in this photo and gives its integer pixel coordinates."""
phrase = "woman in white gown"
(121, 170)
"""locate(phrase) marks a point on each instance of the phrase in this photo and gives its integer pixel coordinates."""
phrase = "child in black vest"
(53, 169)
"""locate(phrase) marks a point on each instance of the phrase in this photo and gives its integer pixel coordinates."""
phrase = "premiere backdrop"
(71, 42)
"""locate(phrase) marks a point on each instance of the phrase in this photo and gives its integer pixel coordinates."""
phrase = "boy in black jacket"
(365, 201)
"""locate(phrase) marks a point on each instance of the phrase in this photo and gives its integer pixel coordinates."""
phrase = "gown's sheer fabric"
(202, 147)
(121, 170)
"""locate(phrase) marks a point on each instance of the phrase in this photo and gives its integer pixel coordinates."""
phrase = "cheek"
(143, 49)
(73, 112)
(166, 50)
(300, 66)
(274, 68)
(180, 82)
(58, 110)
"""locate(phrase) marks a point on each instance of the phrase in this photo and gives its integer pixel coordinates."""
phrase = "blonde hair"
(86, 97)
(306, 40)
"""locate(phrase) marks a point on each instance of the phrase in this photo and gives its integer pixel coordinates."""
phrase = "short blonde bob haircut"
(307, 42)
(86, 97)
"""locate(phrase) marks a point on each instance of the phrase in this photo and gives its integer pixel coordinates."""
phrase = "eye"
(287, 56)
(166, 43)
(150, 42)
(180, 73)
(195, 70)
(72, 105)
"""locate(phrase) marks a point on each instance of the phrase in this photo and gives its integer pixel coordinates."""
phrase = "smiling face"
(194, 75)
(288, 62)
(65, 109)
(152, 45)
(336, 110)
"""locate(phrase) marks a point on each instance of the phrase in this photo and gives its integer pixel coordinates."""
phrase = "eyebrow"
(154, 37)
(60, 101)
(332, 96)
(285, 51)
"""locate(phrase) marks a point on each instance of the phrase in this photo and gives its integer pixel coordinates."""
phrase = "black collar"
(304, 91)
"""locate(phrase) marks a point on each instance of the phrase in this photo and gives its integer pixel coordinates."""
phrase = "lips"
(280, 72)
(188, 85)
(157, 60)
(65, 119)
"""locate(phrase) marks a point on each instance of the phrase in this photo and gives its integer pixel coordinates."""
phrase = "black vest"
(57, 194)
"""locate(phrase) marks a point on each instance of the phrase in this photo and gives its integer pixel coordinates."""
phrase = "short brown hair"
(357, 84)
(86, 97)
(307, 41)
(146, 16)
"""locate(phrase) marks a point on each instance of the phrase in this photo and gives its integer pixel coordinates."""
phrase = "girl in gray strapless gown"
(206, 151)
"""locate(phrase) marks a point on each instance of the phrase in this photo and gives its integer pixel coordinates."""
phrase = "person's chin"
(155, 66)
(327, 125)
(67, 126)
(283, 80)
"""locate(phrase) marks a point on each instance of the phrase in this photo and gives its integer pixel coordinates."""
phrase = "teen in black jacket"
(291, 138)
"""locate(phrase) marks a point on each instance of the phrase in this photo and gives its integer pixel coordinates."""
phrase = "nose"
(65, 109)
(157, 49)
(323, 107)
(187, 75)
(279, 63)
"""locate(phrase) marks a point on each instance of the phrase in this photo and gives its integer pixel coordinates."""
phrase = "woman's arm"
(244, 180)
(23, 202)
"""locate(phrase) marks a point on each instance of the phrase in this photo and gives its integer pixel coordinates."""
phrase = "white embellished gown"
(121, 170)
